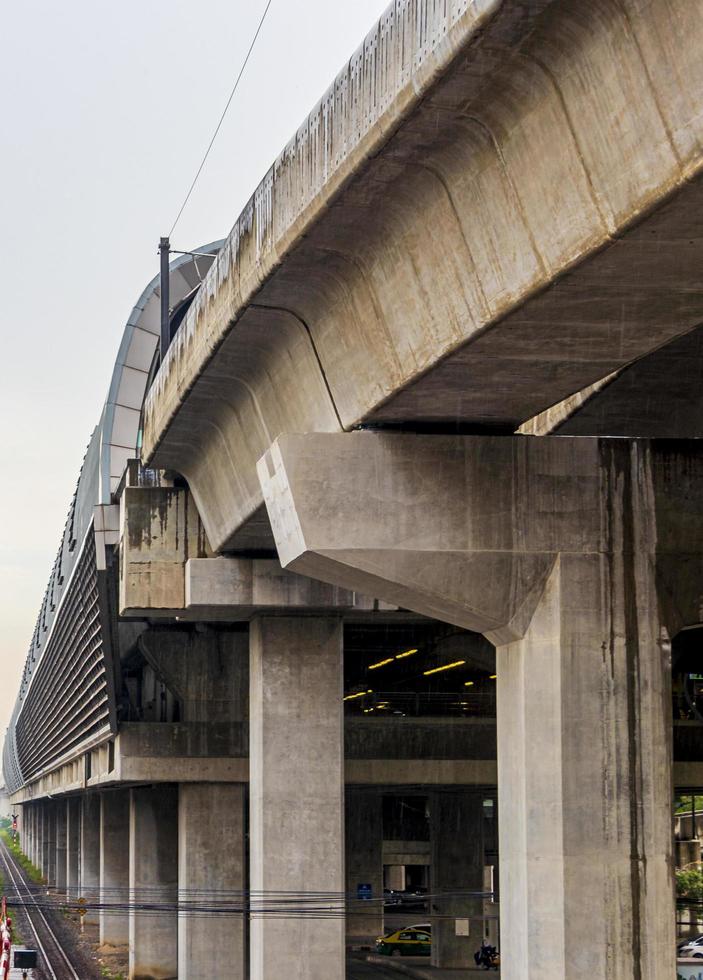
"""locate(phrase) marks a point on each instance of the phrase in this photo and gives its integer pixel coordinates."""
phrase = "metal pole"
(165, 250)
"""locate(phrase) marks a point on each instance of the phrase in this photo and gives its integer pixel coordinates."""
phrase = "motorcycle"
(488, 957)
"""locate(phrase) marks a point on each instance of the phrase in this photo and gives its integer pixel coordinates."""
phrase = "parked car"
(391, 897)
(691, 947)
(416, 899)
(405, 942)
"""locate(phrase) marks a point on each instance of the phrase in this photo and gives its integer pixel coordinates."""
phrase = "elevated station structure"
(437, 397)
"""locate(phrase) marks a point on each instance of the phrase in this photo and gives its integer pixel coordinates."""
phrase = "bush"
(689, 884)
(21, 858)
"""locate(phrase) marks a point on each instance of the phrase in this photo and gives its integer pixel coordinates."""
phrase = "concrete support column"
(153, 880)
(395, 877)
(296, 793)
(26, 836)
(456, 825)
(61, 848)
(50, 843)
(211, 868)
(363, 831)
(42, 846)
(89, 858)
(36, 834)
(585, 777)
(114, 867)
(31, 822)
(73, 843)
(36, 847)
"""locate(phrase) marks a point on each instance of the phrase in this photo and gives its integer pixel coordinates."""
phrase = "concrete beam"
(164, 571)
(239, 588)
(453, 280)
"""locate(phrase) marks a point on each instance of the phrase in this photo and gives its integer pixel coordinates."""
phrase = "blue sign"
(364, 892)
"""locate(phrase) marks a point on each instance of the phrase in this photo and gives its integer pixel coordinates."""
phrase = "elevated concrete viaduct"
(401, 541)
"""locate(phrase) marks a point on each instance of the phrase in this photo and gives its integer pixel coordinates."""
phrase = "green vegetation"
(17, 937)
(23, 861)
(689, 884)
(683, 804)
(109, 975)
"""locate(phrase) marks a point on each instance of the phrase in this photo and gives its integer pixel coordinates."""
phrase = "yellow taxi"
(405, 942)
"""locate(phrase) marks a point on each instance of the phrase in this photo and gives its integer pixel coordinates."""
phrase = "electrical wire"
(222, 117)
(211, 902)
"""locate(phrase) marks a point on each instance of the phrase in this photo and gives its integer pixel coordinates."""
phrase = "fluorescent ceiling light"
(436, 670)
(359, 694)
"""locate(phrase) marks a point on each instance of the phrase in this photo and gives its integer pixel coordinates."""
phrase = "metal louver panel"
(67, 701)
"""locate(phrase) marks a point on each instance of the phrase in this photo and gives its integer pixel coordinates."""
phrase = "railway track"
(54, 963)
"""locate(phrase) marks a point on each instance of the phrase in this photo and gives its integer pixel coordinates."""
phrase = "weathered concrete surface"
(114, 867)
(239, 588)
(363, 833)
(509, 506)
(584, 776)
(207, 672)
(164, 571)
(586, 843)
(378, 525)
(484, 262)
(61, 845)
(429, 772)
(153, 881)
(211, 872)
(49, 840)
(658, 397)
(160, 529)
(456, 825)
(89, 875)
(296, 793)
(73, 846)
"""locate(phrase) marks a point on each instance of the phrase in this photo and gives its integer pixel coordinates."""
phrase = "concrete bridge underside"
(483, 247)
(514, 220)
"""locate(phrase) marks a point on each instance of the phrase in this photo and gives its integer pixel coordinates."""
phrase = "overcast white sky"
(106, 111)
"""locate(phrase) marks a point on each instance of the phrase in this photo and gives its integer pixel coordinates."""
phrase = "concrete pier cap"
(467, 529)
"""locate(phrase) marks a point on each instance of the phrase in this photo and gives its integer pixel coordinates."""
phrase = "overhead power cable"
(222, 118)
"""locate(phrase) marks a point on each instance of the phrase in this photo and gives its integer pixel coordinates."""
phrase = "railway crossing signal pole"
(82, 909)
(165, 253)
